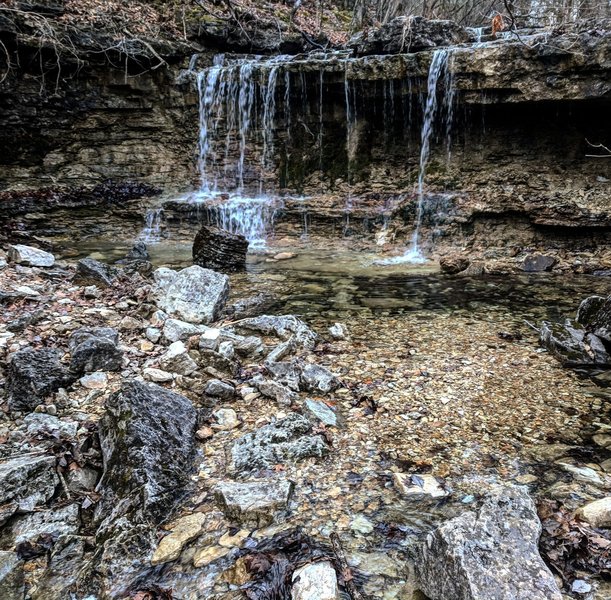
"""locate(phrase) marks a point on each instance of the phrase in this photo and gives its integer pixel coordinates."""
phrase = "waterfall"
(153, 221)
(230, 93)
(439, 66)
(350, 142)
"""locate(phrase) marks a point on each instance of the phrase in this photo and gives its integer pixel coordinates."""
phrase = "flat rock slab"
(53, 522)
(491, 554)
(195, 294)
(29, 256)
(285, 440)
(254, 503)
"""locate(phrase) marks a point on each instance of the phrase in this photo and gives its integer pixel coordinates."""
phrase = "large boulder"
(95, 349)
(217, 249)
(34, 374)
(148, 443)
(148, 448)
(570, 342)
(594, 314)
(29, 256)
(408, 34)
(195, 294)
(490, 554)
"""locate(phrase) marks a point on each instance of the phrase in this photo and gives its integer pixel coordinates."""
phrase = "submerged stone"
(285, 440)
(315, 581)
(254, 503)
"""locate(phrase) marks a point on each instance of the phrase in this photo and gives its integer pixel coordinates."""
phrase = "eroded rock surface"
(491, 554)
(220, 250)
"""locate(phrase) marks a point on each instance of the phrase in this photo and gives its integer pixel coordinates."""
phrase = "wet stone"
(53, 522)
(184, 530)
(12, 585)
(285, 440)
(254, 503)
(92, 272)
(221, 250)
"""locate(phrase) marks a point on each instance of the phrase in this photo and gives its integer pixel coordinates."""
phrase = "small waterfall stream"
(243, 111)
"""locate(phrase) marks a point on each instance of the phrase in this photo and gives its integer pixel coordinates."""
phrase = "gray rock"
(273, 389)
(251, 306)
(175, 330)
(571, 342)
(338, 331)
(157, 375)
(33, 375)
(12, 586)
(82, 480)
(315, 378)
(491, 554)
(148, 447)
(148, 443)
(29, 256)
(65, 561)
(217, 361)
(321, 412)
(27, 481)
(595, 315)
(287, 373)
(284, 327)
(315, 581)
(195, 294)
(210, 339)
(95, 349)
(93, 272)
(254, 503)
(39, 424)
(54, 522)
(177, 360)
(249, 346)
(536, 263)
(281, 351)
(219, 389)
(589, 309)
(226, 349)
(279, 442)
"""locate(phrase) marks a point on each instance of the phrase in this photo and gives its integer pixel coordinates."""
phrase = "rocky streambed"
(309, 428)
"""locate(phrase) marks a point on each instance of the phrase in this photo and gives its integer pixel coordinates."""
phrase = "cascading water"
(152, 229)
(228, 98)
(439, 66)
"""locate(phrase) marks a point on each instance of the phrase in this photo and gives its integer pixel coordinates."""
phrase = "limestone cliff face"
(349, 124)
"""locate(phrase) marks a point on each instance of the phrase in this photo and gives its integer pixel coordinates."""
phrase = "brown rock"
(219, 250)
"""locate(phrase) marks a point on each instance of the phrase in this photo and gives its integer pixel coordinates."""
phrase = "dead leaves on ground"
(569, 545)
